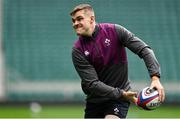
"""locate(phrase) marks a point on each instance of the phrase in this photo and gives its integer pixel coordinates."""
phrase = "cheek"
(87, 24)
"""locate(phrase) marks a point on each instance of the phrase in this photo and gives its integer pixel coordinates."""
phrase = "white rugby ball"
(148, 99)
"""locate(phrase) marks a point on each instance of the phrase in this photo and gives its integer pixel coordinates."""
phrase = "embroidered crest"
(86, 53)
(107, 42)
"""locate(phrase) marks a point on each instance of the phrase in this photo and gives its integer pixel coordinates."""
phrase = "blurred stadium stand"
(38, 38)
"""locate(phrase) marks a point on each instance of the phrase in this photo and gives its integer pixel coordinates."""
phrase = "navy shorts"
(100, 110)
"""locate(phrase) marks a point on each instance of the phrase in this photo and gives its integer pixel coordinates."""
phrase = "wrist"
(155, 78)
(123, 93)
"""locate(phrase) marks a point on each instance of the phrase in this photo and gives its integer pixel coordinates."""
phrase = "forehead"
(78, 13)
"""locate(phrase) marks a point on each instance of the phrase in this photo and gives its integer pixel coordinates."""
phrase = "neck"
(92, 29)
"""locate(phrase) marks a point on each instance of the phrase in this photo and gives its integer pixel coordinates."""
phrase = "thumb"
(132, 93)
(135, 100)
(151, 87)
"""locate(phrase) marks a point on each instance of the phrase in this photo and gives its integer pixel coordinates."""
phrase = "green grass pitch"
(76, 111)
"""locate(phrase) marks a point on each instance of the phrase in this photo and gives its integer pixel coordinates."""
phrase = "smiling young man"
(99, 57)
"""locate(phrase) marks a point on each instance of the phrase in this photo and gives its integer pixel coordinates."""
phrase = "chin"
(80, 34)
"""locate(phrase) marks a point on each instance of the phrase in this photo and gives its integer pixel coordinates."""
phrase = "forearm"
(91, 85)
(137, 46)
(151, 62)
(98, 88)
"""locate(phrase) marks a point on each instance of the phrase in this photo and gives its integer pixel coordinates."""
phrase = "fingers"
(130, 93)
(134, 100)
(161, 94)
(156, 84)
(131, 96)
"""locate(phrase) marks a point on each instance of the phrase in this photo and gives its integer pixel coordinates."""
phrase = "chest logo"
(86, 53)
(107, 42)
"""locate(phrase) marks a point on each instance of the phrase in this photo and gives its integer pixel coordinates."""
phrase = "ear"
(92, 18)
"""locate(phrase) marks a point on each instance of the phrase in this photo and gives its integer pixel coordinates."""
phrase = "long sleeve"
(91, 85)
(140, 48)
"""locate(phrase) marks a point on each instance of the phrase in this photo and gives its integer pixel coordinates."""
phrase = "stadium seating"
(38, 39)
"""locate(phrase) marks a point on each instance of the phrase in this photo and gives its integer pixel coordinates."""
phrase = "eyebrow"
(77, 18)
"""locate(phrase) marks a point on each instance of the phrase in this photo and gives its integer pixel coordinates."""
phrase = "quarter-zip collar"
(95, 31)
(103, 47)
(94, 34)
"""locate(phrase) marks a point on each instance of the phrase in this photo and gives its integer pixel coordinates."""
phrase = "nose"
(75, 23)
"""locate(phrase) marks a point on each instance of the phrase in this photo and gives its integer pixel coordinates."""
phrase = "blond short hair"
(81, 7)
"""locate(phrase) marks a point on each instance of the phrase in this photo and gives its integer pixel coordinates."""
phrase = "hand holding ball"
(148, 99)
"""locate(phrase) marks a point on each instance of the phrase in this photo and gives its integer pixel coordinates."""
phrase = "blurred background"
(37, 76)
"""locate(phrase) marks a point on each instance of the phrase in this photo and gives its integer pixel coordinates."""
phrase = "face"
(82, 23)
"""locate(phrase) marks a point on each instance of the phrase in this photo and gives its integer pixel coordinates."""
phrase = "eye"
(79, 19)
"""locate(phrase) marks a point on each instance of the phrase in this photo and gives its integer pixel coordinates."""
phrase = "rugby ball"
(148, 99)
